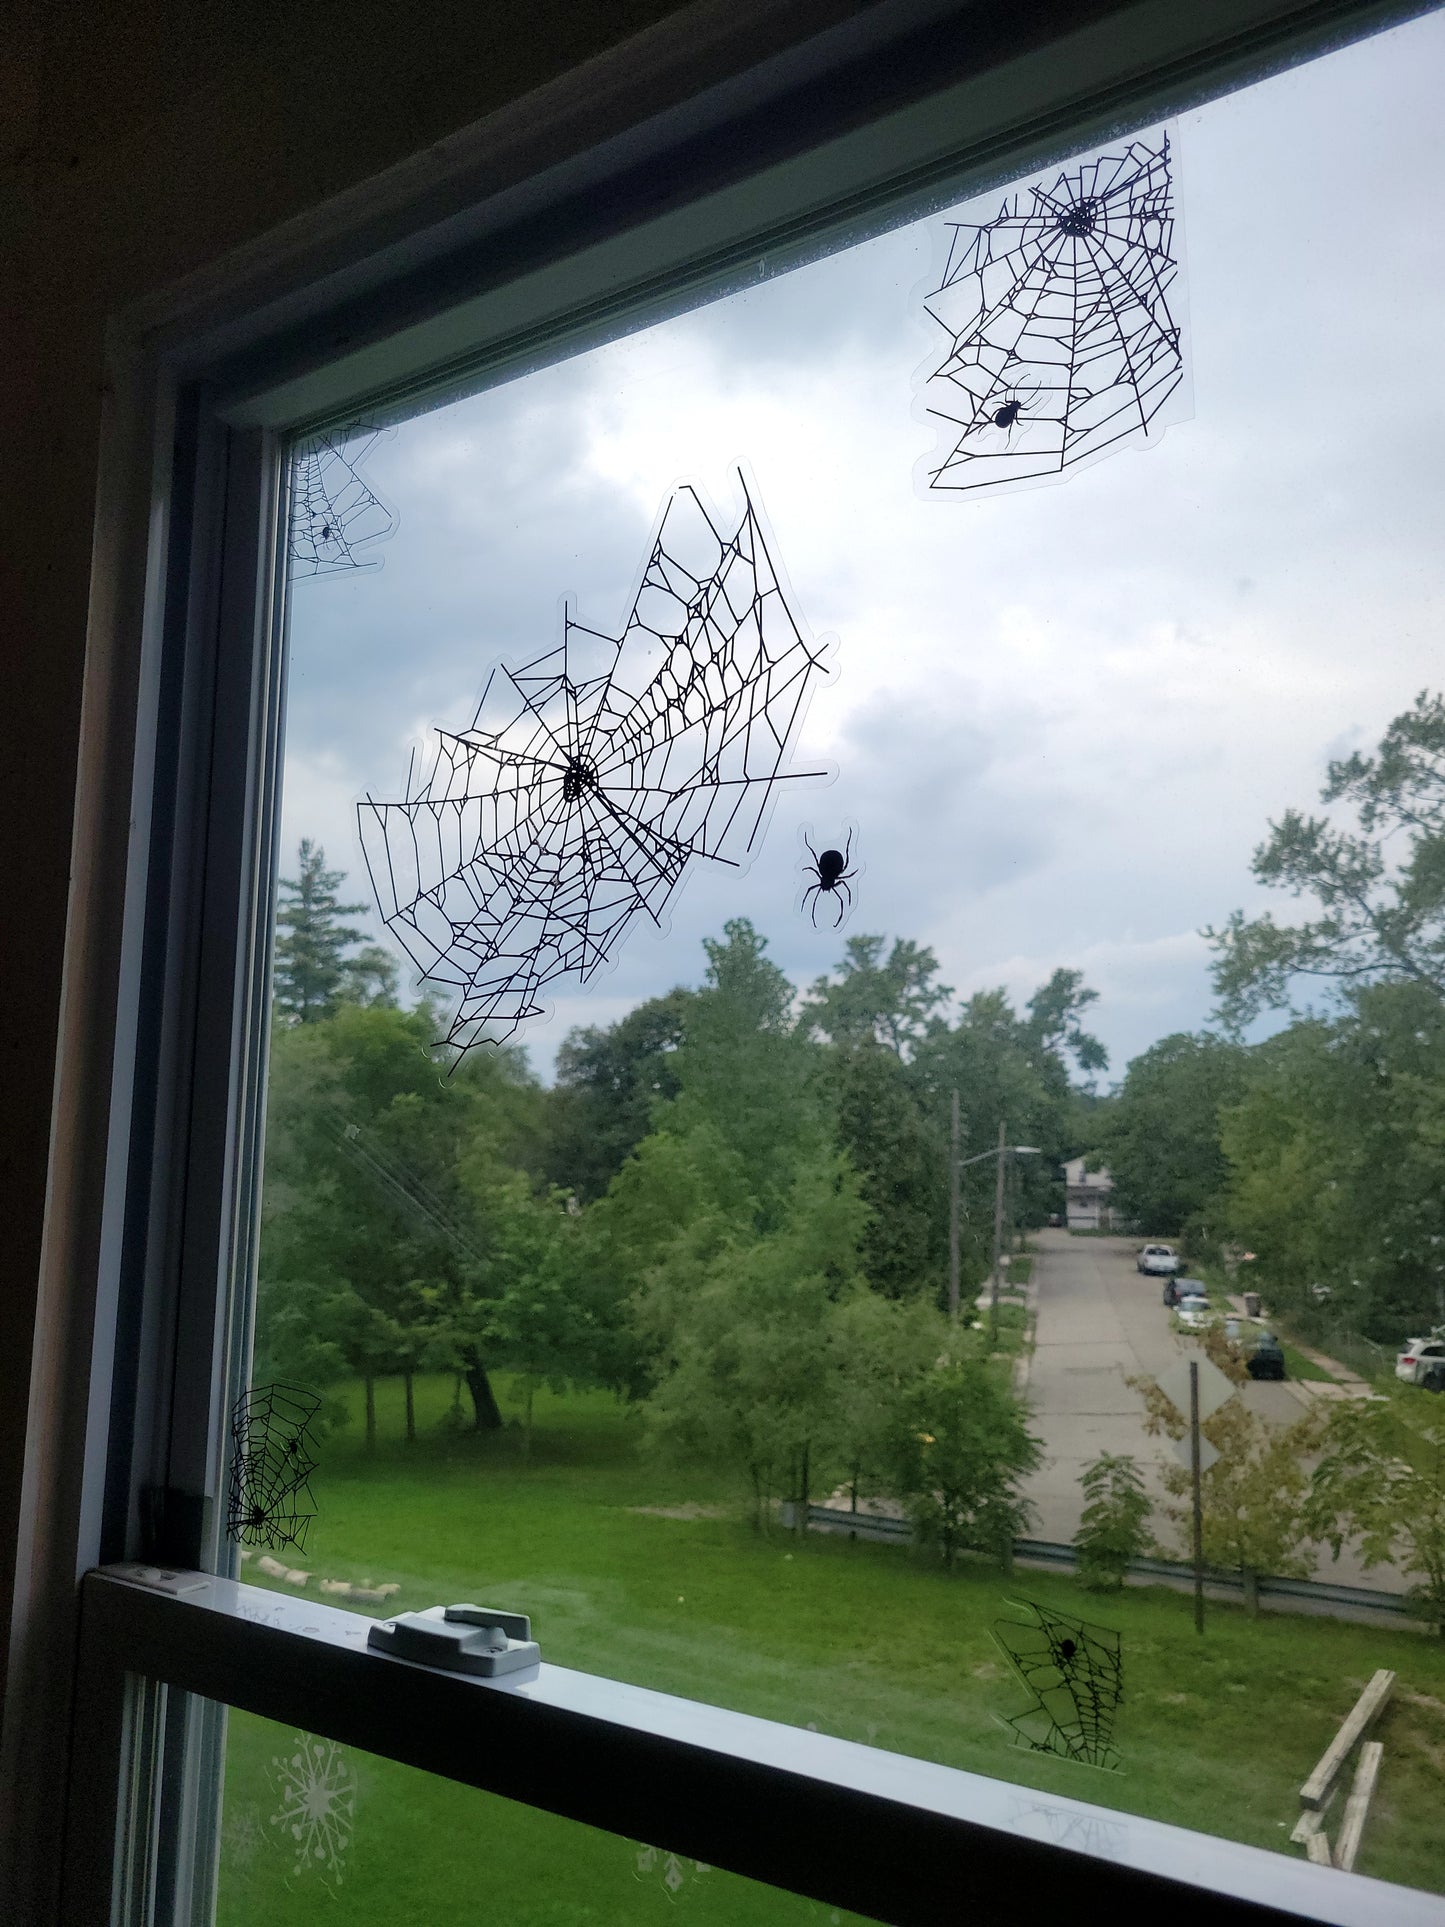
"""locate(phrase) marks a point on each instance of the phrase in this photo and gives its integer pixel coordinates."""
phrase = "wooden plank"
(1318, 1849)
(1366, 1711)
(1312, 1820)
(1357, 1806)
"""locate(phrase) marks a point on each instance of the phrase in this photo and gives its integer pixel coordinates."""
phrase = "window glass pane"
(308, 1825)
(1119, 829)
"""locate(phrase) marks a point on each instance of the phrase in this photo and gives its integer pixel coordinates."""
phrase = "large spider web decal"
(592, 776)
(1062, 341)
(1076, 1673)
(335, 514)
(270, 1502)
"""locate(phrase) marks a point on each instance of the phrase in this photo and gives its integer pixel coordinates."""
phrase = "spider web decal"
(334, 512)
(593, 775)
(1062, 341)
(270, 1502)
(1076, 1673)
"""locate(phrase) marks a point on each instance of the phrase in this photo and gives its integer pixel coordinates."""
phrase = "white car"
(1195, 1311)
(1422, 1362)
(1158, 1261)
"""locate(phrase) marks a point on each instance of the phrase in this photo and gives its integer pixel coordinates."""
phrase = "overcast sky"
(1062, 715)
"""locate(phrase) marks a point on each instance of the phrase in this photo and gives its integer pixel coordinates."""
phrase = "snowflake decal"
(1063, 344)
(242, 1836)
(593, 776)
(315, 1791)
(675, 1873)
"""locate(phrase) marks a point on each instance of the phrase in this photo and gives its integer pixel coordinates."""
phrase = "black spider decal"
(832, 877)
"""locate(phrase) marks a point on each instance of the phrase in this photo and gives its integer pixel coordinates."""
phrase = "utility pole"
(1198, 1497)
(954, 1174)
(997, 1236)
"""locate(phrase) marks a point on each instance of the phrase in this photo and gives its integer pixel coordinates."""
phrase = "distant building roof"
(1080, 1179)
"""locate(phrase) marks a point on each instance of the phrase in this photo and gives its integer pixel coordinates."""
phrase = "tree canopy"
(313, 972)
(1378, 881)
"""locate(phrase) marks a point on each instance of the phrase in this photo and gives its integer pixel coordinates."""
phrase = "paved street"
(1100, 1322)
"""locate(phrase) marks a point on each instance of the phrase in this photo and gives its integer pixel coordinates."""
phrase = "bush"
(961, 1450)
(1114, 1529)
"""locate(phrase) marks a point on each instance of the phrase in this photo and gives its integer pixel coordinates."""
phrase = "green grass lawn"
(1298, 1366)
(648, 1572)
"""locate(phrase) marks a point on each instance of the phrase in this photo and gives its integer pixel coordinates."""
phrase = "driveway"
(1100, 1322)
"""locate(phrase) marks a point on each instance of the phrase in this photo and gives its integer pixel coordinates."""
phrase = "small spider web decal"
(336, 515)
(1064, 325)
(269, 1502)
(593, 776)
(1075, 1671)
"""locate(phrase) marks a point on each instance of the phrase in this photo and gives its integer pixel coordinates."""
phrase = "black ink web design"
(592, 776)
(270, 1502)
(1063, 344)
(1075, 1672)
(334, 514)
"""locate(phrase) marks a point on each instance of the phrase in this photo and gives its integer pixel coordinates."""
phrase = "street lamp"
(1001, 1150)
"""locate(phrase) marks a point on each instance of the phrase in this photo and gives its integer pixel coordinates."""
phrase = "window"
(510, 334)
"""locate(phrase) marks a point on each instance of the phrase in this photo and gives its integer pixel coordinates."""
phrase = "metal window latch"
(459, 1639)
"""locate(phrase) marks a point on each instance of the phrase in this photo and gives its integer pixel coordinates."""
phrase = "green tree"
(312, 970)
(876, 1000)
(899, 1148)
(609, 1082)
(874, 1012)
(746, 1072)
(1253, 1497)
(884, 1347)
(1006, 1069)
(750, 1353)
(1114, 1527)
(1380, 1479)
(961, 1451)
(1379, 884)
(1053, 1030)
(1162, 1134)
(1336, 1159)
(375, 1206)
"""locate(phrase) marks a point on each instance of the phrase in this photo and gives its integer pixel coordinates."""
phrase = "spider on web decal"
(269, 1502)
(335, 514)
(1063, 343)
(592, 776)
(1075, 1672)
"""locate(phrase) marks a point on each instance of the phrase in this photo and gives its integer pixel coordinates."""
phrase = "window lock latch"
(459, 1639)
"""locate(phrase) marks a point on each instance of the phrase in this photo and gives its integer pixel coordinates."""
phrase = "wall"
(137, 143)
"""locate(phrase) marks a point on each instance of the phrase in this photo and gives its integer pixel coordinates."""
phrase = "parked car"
(1422, 1362)
(1157, 1261)
(1267, 1358)
(1177, 1288)
(1195, 1310)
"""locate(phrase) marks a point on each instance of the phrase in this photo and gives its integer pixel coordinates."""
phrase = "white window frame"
(732, 142)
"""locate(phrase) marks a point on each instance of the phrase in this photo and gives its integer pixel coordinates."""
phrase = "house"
(1087, 1197)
